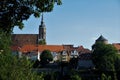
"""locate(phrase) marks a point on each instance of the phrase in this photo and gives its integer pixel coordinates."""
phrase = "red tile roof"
(116, 45)
(28, 48)
(24, 39)
(82, 50)
(52, 48)
(31, 48)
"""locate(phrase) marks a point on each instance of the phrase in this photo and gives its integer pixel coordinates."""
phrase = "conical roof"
(101, 38)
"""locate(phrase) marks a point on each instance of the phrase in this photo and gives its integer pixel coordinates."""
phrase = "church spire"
(42, 31)
(42, 22)
(42, 19)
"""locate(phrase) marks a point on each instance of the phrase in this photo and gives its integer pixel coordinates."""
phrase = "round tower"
(102, 39)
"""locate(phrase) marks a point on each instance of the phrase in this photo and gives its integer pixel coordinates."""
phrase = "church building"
(31, 39)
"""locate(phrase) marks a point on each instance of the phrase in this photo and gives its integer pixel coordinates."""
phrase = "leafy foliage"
(104, 77)
(42, 42)
(46, 57)
(4, 42)
(75, 77)
(13, 12)
(104, 56)
(12, 68)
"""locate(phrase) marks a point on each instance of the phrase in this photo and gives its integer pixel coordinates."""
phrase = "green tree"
(75, 77)
(12, 68)
(104, 77)
(13, 12)
(117, 66)
(4, 42)
(117, 63)
(46, 57)
(42, 42)
(104, 57)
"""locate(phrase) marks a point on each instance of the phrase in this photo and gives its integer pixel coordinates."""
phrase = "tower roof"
(42, 22)
(101, 38)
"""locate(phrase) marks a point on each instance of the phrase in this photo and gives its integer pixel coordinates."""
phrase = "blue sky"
(79, 22)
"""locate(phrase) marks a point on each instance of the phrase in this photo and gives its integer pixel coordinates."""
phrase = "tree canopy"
(104, 56)
(4, 42)
(46, 57)
(13, 12)
(12, 68)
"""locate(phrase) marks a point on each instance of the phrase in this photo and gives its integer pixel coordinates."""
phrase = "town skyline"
(80, 24)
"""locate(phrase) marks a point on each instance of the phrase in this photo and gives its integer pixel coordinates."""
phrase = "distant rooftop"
(117, 46)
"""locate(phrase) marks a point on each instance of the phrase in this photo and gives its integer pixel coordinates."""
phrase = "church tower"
(42, 32)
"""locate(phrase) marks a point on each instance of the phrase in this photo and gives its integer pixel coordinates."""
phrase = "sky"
(78, 22)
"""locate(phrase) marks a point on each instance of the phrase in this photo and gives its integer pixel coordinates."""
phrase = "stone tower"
(42, 31)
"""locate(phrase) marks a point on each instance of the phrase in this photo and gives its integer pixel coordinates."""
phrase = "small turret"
(102, 39)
